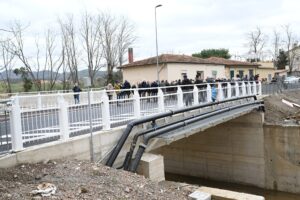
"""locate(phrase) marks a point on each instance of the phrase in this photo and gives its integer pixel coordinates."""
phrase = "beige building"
(266, 70)
(171, 68)
(174, 67)
(234, 68)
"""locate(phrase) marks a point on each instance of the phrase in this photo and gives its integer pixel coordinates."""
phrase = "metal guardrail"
(37, 119)
(5, 137)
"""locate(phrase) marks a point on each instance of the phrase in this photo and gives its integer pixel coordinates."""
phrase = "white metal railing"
(42, 118)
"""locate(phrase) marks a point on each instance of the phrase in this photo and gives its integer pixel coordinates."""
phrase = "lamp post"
(156, 43)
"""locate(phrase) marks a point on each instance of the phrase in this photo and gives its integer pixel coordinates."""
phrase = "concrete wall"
(232, 152)
(282, 155)
(243, 150)
(77, 147)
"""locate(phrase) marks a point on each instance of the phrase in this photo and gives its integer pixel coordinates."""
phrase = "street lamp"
(156, 43)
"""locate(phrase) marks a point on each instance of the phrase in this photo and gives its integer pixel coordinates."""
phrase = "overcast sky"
(184, 26)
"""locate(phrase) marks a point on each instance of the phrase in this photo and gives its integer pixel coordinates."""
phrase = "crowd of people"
(123, 90)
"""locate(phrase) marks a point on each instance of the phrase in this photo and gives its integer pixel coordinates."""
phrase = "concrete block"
(197, 195)
(152, 167)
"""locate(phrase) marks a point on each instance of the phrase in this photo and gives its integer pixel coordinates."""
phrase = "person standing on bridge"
(76, 90)
(214, 92)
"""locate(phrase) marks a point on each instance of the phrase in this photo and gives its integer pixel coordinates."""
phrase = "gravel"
(279, 113)
(84, 180)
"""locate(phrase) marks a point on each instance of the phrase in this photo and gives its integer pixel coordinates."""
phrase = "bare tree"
(90, 33)
(70, 49)
(53, 63)
(289, 42)
(276, 43)
(7, 64)
(125, 38)
(256, 41)
(17, 48)
(116, 36)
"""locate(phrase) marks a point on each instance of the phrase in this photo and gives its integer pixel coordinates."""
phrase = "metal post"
(220, 92)
(16, 126)
(91, 126)
(105, 111)
(249, 88)
(196, 95)
(208, 93)
(237, 89)
(254, 88)
(259, 88)
(160, 100)
(136, 104)
(157, 68)
(63, 118)
(228, 90)
(243, 89)
(179, 97)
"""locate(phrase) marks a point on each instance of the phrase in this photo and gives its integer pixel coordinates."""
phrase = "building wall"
(175, 70)
(144, 73)
(264, 73)
(237, 69)
(296, 60)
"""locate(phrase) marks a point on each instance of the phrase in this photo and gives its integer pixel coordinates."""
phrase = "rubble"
(62, 179)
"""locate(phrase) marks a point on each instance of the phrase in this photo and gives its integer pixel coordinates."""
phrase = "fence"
(41, 118)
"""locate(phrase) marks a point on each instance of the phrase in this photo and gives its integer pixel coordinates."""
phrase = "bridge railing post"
(105, 111)
(196, 95)
(136, 104)
(228, 90)
(179, 97)
(254, 87)
(237, 89)
(220, 92)
(243, 89)
(208, 93)
(63, 119)
(259, 88)
(160, 100)
(16, 125)
(249, 88)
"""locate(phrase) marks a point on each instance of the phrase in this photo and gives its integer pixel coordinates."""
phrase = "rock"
(83, 190)
(15, 176)
(46, 161)
(127, 189)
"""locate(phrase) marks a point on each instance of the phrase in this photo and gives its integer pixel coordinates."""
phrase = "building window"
(214, 74)
(241, 73)
(251, 73)
(231, 74)
(200, 75)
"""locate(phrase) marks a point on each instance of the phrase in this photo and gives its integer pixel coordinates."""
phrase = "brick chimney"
(130, 55)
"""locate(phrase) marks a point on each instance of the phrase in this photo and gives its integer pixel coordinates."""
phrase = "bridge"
(222, 140)
(34, 119)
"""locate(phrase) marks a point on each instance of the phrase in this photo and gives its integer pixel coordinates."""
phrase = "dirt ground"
(279, 113)
(84, 180)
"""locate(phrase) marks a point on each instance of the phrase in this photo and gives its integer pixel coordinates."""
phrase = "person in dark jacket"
(76, 90)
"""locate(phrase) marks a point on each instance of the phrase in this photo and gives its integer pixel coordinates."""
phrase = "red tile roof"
(172, 58)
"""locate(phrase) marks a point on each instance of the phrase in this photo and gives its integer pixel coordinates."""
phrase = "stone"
(197, 195)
